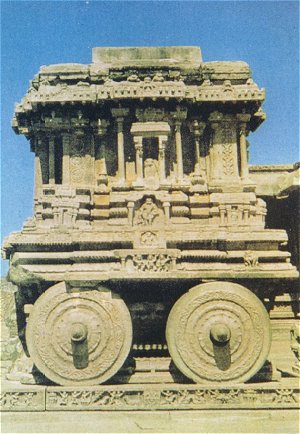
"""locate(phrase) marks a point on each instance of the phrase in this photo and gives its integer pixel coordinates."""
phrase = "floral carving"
(284, 395)
(77, 168)
(33, 400)
(152, 262)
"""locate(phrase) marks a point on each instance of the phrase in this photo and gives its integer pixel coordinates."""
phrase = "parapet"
(145, 56)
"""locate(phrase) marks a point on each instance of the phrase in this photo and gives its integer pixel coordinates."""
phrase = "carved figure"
(147, 213)
(151, 168)
(152, 262)
(295, 347)
(148, 238)
(250, 259)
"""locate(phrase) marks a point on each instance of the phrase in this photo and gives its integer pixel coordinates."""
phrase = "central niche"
(150, 147)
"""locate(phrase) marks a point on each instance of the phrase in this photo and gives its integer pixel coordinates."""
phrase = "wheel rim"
(78, 337)
(218, 332)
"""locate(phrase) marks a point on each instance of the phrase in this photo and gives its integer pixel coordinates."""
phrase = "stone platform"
(270, 395)
(186, 421)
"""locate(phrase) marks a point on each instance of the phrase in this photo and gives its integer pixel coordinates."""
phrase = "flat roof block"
(139, 56)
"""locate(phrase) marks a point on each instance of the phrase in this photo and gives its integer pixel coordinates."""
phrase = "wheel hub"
(79, 332)
(220, 333)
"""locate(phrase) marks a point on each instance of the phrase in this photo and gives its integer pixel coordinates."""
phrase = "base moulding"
(283, 394)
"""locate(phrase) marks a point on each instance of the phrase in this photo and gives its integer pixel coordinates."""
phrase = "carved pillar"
(38, 179)
(197, 129)
(243, 151)
(121, 155)
(179, 116)
(92, 159)
(243, 120)
(162, 157)
(119, 114)
(216, 171)
(166, 206)
(138, 143)
(222, 214)
(66, 159)
(100, 143)
(223, 149)
(51, 161)
(130, 207)
(178, 150)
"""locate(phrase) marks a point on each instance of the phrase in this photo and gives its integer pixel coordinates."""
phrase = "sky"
(265, 34)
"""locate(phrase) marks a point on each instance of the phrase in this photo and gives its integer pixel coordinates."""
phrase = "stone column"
(121, 155)
(243, 152)
(99, 145)
(166, 206)
(51, 161)
(178, 145)
(162, 157)
(130, 206)
(119, 114)
(138, 144)
(179, 116)
(197, 129)
(66, 159)
(243, 120)
(222, 209)
(216, 152)
(38, 179)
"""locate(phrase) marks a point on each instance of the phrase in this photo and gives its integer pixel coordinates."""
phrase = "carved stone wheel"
(79, 338)
(218, 332)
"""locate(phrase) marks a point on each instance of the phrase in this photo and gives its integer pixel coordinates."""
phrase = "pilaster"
(38, 178)
(66, 139)
(162, 140)
(138, 144)
(216, 169)
(51, 160)
(197, 128)
(223, 151)
(119, 114)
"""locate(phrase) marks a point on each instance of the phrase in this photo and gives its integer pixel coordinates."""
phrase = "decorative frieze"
(171, 398)
(23, 399)
(131, 397)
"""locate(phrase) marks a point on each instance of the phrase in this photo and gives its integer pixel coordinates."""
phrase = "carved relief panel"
(223, 147)
(148, 214)
(81, 160)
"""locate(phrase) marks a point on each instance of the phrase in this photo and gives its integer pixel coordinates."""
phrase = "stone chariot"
(147, 259)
